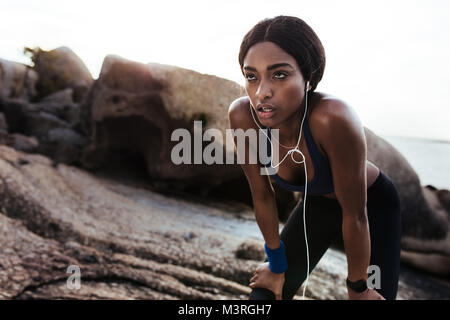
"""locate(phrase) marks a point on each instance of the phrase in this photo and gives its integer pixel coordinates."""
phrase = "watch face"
(358, 286)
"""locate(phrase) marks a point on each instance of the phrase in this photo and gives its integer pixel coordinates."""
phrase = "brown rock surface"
(129, 242)
(17, 81)
(59, 69)
(137, 107)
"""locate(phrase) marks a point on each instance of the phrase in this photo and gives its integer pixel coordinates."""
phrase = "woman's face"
(273, 80)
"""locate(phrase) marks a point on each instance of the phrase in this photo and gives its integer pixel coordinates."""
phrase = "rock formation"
(137, 107)
(59, 69)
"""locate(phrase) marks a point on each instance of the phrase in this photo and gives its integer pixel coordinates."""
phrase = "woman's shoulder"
(238, 104)
(331, 117)
(327, 107)
(239, 113)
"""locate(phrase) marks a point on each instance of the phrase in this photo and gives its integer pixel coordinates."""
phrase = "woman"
(283, 60)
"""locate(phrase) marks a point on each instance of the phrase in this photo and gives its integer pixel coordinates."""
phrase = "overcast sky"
(387, 59)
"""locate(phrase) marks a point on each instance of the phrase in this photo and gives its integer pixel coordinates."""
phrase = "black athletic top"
(322, 183)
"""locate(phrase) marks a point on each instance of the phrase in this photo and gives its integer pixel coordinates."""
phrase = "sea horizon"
(428, 157)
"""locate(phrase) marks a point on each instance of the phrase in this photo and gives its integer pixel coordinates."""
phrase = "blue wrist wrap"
(277, 258)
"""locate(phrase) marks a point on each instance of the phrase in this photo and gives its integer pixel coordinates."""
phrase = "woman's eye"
(280, 75)
(250, 77)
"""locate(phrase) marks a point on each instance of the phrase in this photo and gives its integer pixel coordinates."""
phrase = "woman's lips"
(265, 111)
(266, 114)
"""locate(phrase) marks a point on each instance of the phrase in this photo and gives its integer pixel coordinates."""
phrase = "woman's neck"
(289, 130)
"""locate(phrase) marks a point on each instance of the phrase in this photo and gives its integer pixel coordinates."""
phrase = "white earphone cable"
(291, 152)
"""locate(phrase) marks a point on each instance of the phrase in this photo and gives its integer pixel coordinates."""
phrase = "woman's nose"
(264, 91)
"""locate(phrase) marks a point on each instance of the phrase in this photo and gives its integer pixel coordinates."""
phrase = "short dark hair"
(295, 37)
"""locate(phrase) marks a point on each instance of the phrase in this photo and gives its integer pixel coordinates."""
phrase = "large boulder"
(16, 140)
(46, 127)
(17, 81)
(137, 107)
(59, 69)
(420, 219)
(425, 210)
(62, 105)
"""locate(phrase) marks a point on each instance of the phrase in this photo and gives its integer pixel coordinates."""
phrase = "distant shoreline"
(428, 157)
(415, 138)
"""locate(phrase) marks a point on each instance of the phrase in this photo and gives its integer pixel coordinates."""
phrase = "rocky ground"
(133, 243)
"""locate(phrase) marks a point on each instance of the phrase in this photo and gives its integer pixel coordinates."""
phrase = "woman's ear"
(308, 85)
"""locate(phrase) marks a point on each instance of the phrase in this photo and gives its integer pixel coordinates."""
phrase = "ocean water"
(430, 158)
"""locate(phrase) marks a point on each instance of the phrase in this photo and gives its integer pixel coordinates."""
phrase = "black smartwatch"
(357, 286)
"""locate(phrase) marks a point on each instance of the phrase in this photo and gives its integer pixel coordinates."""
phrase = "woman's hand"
(369, 294)
(264, 278)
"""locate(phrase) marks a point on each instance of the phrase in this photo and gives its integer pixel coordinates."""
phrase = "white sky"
(387, 59)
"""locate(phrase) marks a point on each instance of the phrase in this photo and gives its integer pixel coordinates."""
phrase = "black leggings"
(324, 224)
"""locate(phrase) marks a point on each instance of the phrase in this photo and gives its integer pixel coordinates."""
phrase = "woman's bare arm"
(263, 195)
(342, 136)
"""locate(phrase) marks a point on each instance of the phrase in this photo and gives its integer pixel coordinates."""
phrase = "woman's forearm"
(266, 215)
(356, 235)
